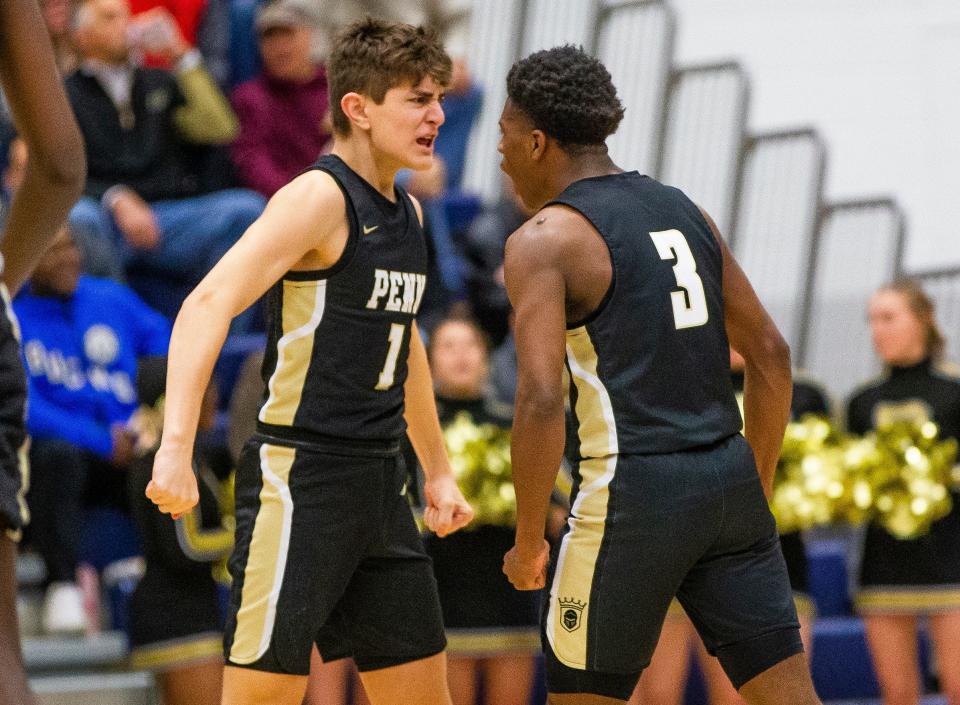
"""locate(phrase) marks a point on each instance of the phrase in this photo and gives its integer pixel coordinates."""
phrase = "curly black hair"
(568, 94)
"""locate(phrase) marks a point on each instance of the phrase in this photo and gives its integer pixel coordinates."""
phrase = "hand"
(446, 510)
(157, 32)
(136, 221)
(429, 183)
(124, 444)
(174, 486)
(527, 570)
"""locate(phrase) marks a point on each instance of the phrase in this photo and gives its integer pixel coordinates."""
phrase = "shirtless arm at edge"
(534, 273)
(767, 381)
(56, 168)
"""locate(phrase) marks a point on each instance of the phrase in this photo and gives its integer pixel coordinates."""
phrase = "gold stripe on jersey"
(266, 558)
(302, 310)
(597, 428)
(569, 614)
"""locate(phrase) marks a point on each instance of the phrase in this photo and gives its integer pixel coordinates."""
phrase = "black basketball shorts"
(646, 528)
(327, 552)
(14, 466)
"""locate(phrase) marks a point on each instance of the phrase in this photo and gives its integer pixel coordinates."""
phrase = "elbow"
(539, 400)
(775, 349)
(63, 167)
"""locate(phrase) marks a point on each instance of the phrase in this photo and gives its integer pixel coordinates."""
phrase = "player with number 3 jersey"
(626, 283)
(327, 552)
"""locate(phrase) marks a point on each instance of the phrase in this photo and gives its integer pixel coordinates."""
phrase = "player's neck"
(585, 166)
(359, 155)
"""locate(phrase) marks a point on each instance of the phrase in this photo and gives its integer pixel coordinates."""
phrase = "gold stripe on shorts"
(569, 612)
(266, 558)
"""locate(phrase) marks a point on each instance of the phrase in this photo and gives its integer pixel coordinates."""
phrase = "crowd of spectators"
(194, 113)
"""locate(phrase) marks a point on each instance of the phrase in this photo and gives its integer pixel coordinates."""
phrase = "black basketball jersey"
(650, 368)
(338, 338)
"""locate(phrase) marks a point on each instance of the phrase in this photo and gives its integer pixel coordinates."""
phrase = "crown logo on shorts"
(571, 610)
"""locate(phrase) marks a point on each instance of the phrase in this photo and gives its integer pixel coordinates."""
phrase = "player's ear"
(538, 144)
(354, 106)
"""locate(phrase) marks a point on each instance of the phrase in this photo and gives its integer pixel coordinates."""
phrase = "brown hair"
(372, 56)
(921, 305)
(469, 322)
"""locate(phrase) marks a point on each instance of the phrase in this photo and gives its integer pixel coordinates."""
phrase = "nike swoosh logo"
(367, 231)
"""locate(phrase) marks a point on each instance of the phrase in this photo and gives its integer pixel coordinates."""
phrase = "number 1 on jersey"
(393, 354)
(671, 244)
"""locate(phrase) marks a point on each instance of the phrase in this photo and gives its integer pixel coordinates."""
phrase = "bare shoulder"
(550, 232)
(315, 189)
(308, 215)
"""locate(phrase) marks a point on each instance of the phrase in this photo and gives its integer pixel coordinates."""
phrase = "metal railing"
(858, 248)
(705, 128)
(776, 219)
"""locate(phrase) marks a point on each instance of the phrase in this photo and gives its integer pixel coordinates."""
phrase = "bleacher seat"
(827, 577)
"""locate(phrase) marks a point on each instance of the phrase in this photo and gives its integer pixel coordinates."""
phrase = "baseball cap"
(287, 13)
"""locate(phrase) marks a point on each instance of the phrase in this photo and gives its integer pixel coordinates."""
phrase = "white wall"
(879, 78)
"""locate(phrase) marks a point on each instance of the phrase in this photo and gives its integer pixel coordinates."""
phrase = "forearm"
(423, 426)
(198, 335)
(38, 211)
(537, 452)
(766, 409)
(207, 117)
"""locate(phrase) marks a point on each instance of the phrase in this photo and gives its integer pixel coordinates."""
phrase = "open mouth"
(425, 142)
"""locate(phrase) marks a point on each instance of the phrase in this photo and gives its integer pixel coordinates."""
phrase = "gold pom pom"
(480, 459)
(898, 476)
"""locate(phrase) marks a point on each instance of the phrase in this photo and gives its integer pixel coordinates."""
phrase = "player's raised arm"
(767, 386)
(535, 284)
(305, 216)
(57, 165)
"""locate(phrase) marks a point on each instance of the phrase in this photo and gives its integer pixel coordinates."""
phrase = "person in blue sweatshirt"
(84, 340)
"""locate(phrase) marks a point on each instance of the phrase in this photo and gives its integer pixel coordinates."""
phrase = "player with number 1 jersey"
(327, 552)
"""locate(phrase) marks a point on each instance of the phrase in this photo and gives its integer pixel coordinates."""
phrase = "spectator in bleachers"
(13, 172)
(204, 24)
(664, 680)
(282, 110)
(904, 581)
(483, 245)
(176, 624)
(58, 15)
(461, 108)
(474, 594)
(82, 341)
(146, 195)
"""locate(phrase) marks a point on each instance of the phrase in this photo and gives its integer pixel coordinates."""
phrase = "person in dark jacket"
(148, 196)
(905, 581)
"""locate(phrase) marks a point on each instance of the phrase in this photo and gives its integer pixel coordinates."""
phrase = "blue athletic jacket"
(81, 359)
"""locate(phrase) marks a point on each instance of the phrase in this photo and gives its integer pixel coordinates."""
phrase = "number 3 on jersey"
(689, 305)
(393, 354)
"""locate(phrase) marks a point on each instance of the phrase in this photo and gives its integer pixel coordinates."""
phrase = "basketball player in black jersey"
(627, 283)
(54, 179)
(327, 551)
